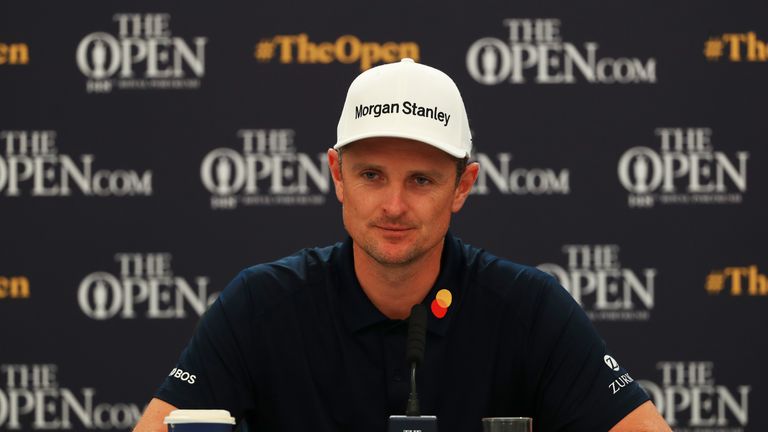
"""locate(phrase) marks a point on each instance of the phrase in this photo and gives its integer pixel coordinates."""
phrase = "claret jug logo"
(32, 164)
(31, 398)
(690, 401)
(347, 49)
(268, 171)
(145, 287)
(736, 47)
(143, 55)
(498, 174)
(737, 281)
(685, 170)
(598, 282)
(535, 51)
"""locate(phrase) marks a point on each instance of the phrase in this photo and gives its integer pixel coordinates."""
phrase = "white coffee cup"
(199, 420)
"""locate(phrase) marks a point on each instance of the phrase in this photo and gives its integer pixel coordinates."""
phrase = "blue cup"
(199, 421)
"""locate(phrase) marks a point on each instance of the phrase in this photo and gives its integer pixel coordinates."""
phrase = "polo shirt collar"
(358, 311)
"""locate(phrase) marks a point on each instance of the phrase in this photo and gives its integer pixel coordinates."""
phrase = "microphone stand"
(413, 420)
(412, 408)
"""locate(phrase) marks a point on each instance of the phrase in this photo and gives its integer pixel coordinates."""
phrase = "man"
(316, 341)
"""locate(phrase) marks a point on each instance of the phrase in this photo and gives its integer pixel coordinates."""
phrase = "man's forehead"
(394, 145)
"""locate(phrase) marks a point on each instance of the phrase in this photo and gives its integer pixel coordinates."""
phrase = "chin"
(388, 256)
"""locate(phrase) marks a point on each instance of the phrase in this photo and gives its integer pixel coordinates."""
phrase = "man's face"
(397, 196)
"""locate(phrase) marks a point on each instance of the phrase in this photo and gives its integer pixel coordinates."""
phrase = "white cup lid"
(199, 416)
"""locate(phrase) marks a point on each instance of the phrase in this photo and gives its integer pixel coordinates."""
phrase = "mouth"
(394, 231)
(394, 228)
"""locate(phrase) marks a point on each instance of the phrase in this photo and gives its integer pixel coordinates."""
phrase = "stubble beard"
(372, 249)
(371, 246)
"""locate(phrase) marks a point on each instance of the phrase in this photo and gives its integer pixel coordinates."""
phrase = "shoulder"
(522, 289)
(267, 285)
(302, 266)
(502, 275)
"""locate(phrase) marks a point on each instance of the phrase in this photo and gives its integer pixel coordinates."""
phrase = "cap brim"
(457, 153)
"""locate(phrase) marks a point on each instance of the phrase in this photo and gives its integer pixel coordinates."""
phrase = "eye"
(370, 175)
(422, 181)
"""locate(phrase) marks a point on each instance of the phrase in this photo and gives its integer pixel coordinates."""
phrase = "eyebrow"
(362, 165)
(437, 175)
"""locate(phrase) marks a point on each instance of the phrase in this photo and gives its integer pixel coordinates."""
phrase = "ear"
(465, 186)
(333, 164)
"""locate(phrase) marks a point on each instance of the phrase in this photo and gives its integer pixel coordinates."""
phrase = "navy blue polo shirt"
(295, 345)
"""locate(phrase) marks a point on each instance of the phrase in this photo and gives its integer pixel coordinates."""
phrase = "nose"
(395, 204)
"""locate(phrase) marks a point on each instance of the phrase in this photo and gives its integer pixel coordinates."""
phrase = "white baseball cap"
(406, 100)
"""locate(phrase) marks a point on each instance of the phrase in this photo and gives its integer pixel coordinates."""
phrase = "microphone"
(414, 354)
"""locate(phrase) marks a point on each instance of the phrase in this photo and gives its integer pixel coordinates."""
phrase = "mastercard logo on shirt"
(441, 303)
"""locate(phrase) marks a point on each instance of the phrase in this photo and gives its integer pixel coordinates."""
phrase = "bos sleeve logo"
(183, 375)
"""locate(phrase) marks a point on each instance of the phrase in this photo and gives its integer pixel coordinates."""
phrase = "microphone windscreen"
(417, 334)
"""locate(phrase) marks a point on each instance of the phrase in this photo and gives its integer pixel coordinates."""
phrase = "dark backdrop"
(621, 147)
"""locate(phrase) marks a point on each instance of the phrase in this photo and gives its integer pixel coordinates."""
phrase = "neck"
(394, 289)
